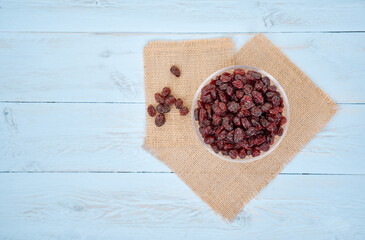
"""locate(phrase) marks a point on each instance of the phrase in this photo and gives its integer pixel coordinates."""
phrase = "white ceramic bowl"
(285, 113)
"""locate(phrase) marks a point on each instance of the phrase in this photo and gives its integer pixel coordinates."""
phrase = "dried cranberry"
(159, 98)
(227, 123)
(207, 98)
(280, 131)
(242, 153)
(233, 153)
(207, 89)
(272, 88)
(245, 123)
(229, 91)
(270, 139)
(230, 136)
(160, 120)
(223, 87)
(237, 84)
(224, 152)
(270, 95)
(239, 135)
(271, 127)
(222, 135)
(206, 131)
(200, 104)
(196, 114)
(222, 96)
(266, 107)
(259, 139)
(218, 130)
(225, 78)
(251, 131)
(252, 75)
(248, 103)
(264, 147)
(238, 77)
(266, 81)
(163, 108)
(239, 71)
(208, 107)
(259, 85)
(205, 123)
(243, 112)
(257, 97)
(247, 88)
(209, 140)
(239, 93)
(175, 71)
(255, 152)
(214, 94)
(216, 119)
(166, 92)
(256, 111)
(179, 103)
(222, 106)
(151, 111)
(264, 122)
(184, 111)
(170, 100)
(283, 120)
(202, 115)
(237, 121)
(215, 148)
(276, 101)
(233, 106)
(228, 146)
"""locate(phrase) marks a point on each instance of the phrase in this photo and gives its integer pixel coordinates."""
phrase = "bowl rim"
(272, 147)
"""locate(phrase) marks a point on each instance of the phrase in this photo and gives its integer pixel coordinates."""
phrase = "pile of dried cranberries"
(165, 100)
(240, 114)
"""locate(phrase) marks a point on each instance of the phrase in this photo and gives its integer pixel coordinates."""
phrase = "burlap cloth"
(226, 186)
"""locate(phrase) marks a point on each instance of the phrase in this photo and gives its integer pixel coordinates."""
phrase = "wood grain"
(109, 67)
(159, 206)
(108, 137)
(181, 16)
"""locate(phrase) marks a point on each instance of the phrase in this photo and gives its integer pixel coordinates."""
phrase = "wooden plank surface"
(108, 137)
(181, 16)
(109, 67)
(160, 206)
(72, 122)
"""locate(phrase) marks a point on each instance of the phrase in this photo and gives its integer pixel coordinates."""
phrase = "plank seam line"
(169, 172)
(182, 33)
(75, 102)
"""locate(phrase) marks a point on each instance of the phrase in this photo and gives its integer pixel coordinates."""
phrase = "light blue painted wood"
(109, 67)
(108, 137)
(89, 137)
(160, 206)
(181, 16)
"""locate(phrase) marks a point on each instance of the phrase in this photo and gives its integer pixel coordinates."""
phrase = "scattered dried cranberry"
(159, 98)
(170, 100)
(165, 92)
(151, 111)
(184, 111)
(163, 108)
(175, 70)
(165, 100)
(179, 103)
(239, 113)
(160, 120)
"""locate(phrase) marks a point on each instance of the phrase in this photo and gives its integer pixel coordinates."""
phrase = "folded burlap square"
(226, 186)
